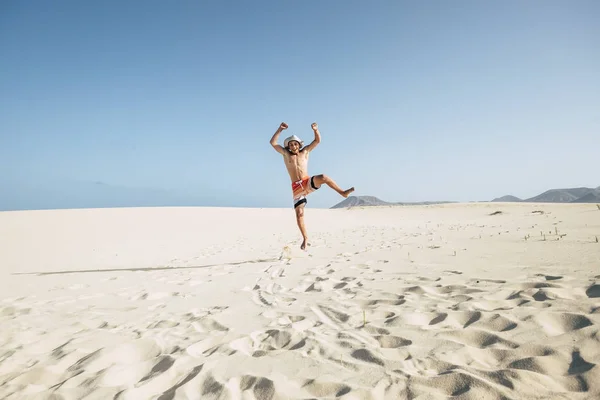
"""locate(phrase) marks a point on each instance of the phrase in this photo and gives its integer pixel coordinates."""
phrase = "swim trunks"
(303, 188)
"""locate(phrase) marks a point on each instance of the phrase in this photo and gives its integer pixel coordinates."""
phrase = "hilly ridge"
(508, 198)
(372, 201)
(361, 201)
(567, 195)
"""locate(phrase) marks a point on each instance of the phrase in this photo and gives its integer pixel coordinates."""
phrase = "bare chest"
(296, 160)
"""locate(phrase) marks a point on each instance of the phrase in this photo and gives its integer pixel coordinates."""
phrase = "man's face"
(294, 147)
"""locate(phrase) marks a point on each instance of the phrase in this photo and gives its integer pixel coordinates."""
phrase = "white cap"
(293, 137)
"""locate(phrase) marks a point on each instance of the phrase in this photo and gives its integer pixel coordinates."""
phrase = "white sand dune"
(427, 302)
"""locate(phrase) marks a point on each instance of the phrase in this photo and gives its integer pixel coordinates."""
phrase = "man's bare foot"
(304, 244)
(347, 192)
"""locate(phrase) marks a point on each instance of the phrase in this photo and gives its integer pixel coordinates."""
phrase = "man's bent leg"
(300, 220)
(324, 179)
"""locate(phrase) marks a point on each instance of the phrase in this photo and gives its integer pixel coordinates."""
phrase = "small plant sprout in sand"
(598, 205)
(286, 254)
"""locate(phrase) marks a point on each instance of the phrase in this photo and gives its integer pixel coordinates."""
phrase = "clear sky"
(175, 102)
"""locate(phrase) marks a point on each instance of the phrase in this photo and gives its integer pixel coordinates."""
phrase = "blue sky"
(175, 102)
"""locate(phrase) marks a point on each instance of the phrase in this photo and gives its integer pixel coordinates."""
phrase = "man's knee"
(320, 179)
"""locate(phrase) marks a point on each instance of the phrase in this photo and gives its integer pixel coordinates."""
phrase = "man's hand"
(283, 126)
(314, 126)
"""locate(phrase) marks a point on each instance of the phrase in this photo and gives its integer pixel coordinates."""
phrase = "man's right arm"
(275, 137)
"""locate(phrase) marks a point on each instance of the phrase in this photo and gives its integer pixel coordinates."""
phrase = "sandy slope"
(429, 302)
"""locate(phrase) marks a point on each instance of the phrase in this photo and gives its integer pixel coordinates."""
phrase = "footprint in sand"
(420, 319)
(475, 281)
(271, 295)
(321, 271)
(321, 388)
(338, 319)
(163, 324)
(278, 272)
(375, 303)
(593, 291)
(478, 338)
(263, 299)
(135, 351)
(325, 284)
(153, 295)
(14, 311)
(130, 375)
(261, 343)
(156, 306)
(556, 364)
(205, 347)
(538, 285)
(392, 342)
(366, 356)
(208, 325)
(555, 324)
(195, 314)
(550, 277)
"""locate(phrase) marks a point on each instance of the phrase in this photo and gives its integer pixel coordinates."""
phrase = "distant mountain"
(508, 199)
(568, 195)
(589, 198)
(371, 201)
(560, 195)
(361, 201)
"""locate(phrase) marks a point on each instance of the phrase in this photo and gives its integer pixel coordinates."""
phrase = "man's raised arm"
(317, 138)
(275, 137)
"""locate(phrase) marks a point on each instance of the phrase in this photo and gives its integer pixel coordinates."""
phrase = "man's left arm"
(317, 138)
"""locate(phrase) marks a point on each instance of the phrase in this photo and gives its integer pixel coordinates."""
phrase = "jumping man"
(296, 160)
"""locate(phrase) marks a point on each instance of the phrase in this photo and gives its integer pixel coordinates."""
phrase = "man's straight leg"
(300, 220)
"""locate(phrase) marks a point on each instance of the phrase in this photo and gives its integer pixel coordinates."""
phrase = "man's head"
(293, 144)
